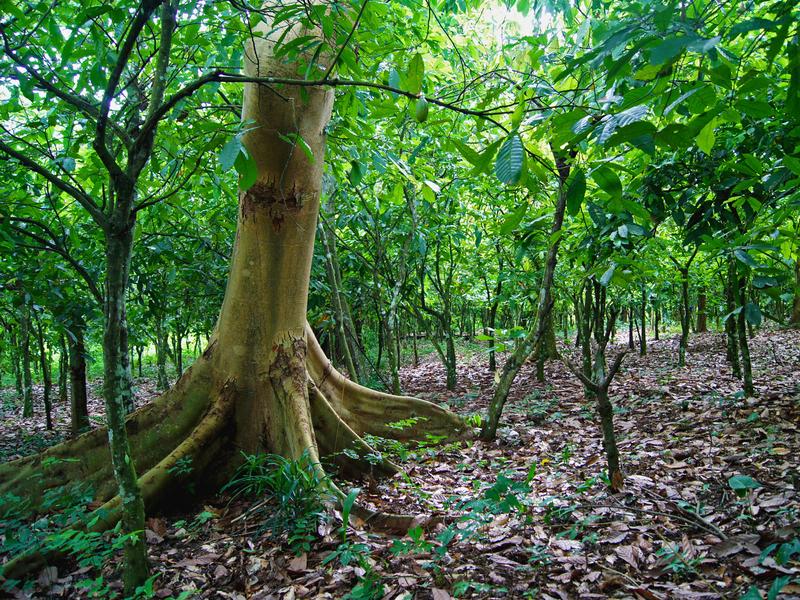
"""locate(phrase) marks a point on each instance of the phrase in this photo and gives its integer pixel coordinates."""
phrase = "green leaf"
(415, 74)
(792, 163)
(347, 508)
(576, 190)
(752, 594)
(229, 152)
(743, 257)
(512, 220)
(742, 483)
(705, 139)
(777, 586)
(356, 173)
(755, 108)
(605, 279)
(621, 119)
(472, 156)
(297, 141)
(669, 49)
(752, 313)
(247, 168)
(761, 281)
(605, 177)
(510, 164)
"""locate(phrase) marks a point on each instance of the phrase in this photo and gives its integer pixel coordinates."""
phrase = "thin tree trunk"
(118, 391)
(139, 352)
(744, 348)
(643, 313)
(63, 370)
(631, 345)
(27, 378)
(77, 377)
(795, 319)
(732, 346)
(702, 315)
(331, 259)
(177, 351)
(46, 374)
(656, 321)
(523, 349)
(162, 383)
(684, 318)
(16, 365)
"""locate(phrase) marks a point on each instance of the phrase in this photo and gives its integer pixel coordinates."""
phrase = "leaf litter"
(677, 530)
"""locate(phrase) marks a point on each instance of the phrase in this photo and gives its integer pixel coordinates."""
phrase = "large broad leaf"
(743, 257)
(513, 219)
(510, 164)
(576, 190)
(356, 172)
(605, 279)
(621, 119)
(631, 132)
(605, 177)
(705, 139)
(247, 168)
(752, 313)
(669, 49)
(415, 74)
(229, 152)
(755, 108)
(472, 156)
(742, 483)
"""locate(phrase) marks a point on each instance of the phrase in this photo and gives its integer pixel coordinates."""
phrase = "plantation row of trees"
(634, 162)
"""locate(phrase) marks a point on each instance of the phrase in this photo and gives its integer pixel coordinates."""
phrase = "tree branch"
(142, 16)
(83, 199)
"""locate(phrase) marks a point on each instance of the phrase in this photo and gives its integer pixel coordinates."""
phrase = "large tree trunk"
(263, 383)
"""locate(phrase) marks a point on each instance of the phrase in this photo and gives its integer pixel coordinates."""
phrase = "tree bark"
(79, 413)
(162, 382)
(46, 374)
(643, 317)
(63, 370)
(702, 314)
(16, 365)
(118, 386)
(685, 322)
(27, 378)
(795, 319)
(732, 345)
(741, 333)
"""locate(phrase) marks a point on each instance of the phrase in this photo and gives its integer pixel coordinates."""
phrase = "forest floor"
(529, 515)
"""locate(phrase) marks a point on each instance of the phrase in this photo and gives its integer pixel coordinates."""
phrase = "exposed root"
(316, 409)
(334, 437)
(162, 424)
(155, 483)
(370, 411)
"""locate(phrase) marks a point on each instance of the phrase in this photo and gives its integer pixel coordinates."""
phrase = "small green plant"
(369, 586)
(294, 493)
(676, 561)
